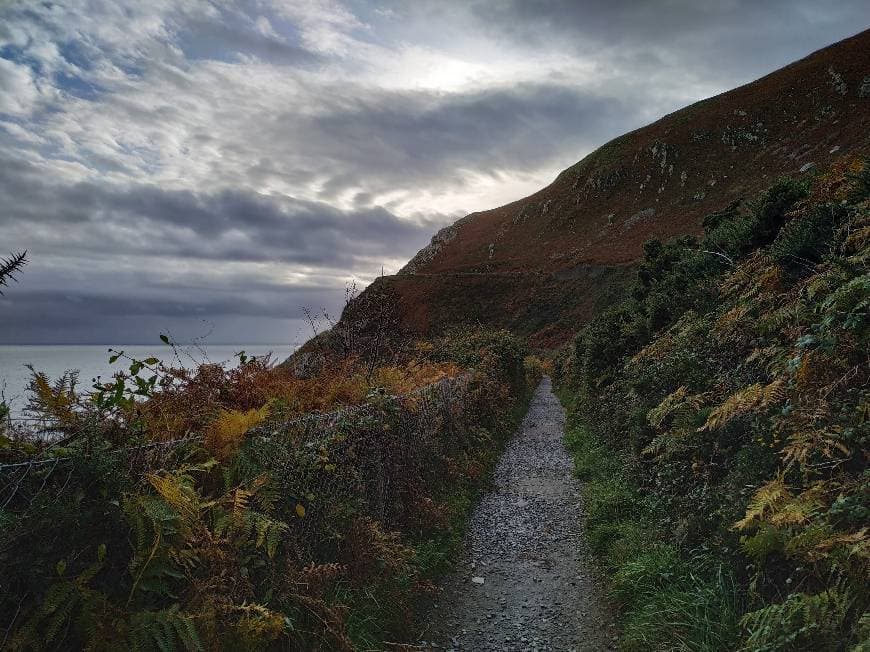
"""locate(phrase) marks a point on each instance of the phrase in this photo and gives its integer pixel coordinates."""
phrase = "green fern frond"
(801, 622)
(167, 630)
(766, 541)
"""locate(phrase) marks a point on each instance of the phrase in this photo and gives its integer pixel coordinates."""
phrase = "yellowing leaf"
(300, 510)
(226, 433)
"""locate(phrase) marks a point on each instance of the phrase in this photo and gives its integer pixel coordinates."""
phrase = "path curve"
(524, 541)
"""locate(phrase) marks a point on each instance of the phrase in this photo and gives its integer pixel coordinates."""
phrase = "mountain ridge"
(545, 264)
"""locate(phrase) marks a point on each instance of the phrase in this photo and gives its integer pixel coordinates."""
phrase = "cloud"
(99, 318)
(226, 225)
(729, 42)
(183, 160)
(18, 92)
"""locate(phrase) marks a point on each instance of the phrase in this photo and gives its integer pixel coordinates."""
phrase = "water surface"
(92, 360)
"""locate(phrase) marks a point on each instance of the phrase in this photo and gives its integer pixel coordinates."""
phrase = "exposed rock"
(439, 240)
(735, 136)
(637, 217)
(807, 167)
(837, 82)
(661, 152)
(602, 180)
(527, 211)
(864, 88)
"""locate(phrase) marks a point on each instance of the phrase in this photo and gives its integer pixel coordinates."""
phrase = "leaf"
(60, 567)
(300, 510)
(101, 552)
(151, 361)
(164, 338)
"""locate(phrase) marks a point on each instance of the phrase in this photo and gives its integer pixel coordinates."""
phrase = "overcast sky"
(200, 166)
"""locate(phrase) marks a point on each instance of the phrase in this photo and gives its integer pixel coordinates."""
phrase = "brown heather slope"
(542, 265)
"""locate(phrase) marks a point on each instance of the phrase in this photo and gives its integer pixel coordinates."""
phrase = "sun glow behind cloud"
(189, 157)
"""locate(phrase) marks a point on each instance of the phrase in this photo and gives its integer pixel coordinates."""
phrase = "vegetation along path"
(522, 583)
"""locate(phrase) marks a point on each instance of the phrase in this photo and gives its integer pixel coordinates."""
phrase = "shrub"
(860, 183)
(253, 528)
(806, 240)
(725, 402)
(769, 210)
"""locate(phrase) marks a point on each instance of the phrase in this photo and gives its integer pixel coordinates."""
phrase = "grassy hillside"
(578, 236)
(721, 414)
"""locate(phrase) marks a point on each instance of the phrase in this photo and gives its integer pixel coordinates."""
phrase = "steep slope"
(545, 263)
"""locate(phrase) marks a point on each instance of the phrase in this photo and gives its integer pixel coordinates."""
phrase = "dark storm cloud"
(79, 308)
(726, 40)
(223, 226)
(107, 318)
(389, 139)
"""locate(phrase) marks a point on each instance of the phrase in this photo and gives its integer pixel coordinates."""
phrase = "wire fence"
(376, 453)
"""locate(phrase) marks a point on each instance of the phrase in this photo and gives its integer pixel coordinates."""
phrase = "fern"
(663, 410)
(269, 532)
(179, 493)
(766, 499)
(56, 401)
(801, 622)
(258, 625)
(66, 603)
(806, 443)
(166, 631)
(154, 526)
(745, 400)
(766, 541)
(227, 432)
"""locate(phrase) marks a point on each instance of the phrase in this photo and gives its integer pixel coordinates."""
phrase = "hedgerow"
(210, 508)
(726, 403)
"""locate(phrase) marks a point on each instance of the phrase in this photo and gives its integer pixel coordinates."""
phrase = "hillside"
(720, 421)
(545, 263)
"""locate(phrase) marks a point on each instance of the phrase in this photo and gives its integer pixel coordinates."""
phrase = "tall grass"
(669, 599)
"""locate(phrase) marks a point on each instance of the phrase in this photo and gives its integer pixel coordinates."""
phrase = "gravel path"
(522, 583)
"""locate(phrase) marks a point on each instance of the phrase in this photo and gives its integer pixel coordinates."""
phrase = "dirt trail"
(525, 543)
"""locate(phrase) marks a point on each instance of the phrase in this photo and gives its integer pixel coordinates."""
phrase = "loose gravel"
(523, 582)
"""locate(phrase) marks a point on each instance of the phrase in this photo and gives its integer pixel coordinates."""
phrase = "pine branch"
(10, 265)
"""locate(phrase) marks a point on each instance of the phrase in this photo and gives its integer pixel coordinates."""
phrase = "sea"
(92, 360)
